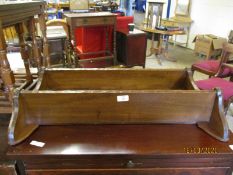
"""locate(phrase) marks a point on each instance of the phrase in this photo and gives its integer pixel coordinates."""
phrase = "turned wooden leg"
(115, 62)
(46, 58)
(152, 46)
(68, 48)
(159, 50)
(23, 51)
(35, 49)
(6, 72)
(74, 57)
(165, 50)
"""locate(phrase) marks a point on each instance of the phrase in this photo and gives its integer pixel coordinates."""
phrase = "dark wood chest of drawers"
(124, 150)
(131, 48)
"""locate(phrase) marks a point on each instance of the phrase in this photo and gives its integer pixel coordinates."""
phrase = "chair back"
(226, 52)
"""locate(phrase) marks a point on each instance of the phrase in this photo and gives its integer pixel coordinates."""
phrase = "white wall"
(209, 17)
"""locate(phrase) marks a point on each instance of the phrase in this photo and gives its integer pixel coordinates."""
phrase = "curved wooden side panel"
(190, 84)
(217, 126)
(18, 130)
(40, 79)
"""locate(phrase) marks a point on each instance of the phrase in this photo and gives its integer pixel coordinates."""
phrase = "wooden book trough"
(117, 97)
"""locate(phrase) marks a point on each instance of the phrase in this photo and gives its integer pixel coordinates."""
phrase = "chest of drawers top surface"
(88, 15)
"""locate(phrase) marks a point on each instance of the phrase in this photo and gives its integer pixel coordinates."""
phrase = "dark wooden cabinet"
(124, 150)
(57, 49)
(131, 47)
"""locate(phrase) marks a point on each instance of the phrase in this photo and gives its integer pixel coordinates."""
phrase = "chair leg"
(6, 73)
(36, 53)
(23, 51)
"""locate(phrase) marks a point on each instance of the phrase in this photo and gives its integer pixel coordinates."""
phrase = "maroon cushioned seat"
(212, 66)
(224, 85)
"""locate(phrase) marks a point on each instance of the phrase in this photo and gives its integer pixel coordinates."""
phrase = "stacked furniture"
(131, 46)
(119, 121)
(216, 67)
(19, 15)
(152, 25)
(180, 20)
(217, 70)
(93, 36)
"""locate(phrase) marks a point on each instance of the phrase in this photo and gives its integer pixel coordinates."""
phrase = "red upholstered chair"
(216, 82)
(123, 21)
(214, 67)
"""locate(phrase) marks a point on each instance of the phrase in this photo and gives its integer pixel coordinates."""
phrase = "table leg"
(166, 50)
(74, 56)
(24, 53)
(152, 46)
(36, 53)
(6, 72)
(159, 49)
(46, 58)
(69, 52)
(114, 46)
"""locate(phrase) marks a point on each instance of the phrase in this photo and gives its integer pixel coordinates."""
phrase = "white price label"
(36, 143)
(122, 98)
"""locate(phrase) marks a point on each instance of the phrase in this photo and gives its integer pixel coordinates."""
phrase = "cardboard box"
(209, 45)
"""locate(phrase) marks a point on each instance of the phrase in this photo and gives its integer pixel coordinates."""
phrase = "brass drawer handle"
(130, 164)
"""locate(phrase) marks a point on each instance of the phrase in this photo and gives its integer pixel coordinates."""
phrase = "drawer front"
(95, 63)
(93, 21)
(151, 171)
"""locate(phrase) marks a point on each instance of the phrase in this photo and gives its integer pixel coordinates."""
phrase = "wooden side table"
(107, 19)
(131, 47)
(159, 49)
(17, 15)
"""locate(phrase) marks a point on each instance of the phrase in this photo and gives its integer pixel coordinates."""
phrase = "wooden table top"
(12, 13)
(163, 32)
(155, 139)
